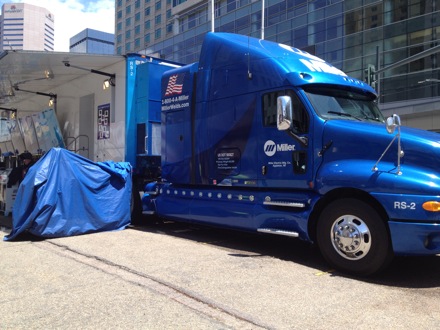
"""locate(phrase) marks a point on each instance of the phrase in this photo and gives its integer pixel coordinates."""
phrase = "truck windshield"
(331, 103)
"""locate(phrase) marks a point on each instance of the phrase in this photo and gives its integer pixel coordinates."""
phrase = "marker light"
(432, 206)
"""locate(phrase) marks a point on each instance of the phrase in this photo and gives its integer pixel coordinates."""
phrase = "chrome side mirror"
(392, 122)
(284, 113)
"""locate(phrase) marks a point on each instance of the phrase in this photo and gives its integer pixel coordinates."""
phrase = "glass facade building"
(93, 42)
(350, 34)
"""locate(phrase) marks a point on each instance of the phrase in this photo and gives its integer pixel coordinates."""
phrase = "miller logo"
(270, 147)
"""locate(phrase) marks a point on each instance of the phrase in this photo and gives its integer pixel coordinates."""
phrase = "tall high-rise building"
(352, 35)
(141, 23)
(26, 27)
(93, 42)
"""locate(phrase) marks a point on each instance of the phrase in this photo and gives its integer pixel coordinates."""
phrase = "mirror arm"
(391, 124)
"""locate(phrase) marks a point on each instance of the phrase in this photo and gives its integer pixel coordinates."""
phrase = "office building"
(353, 35)
(26, 27)
(141, 23)
(93, 42)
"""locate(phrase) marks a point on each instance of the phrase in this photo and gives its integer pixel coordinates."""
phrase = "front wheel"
(353, 237)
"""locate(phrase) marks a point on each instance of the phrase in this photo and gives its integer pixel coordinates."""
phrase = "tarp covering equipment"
(65, 194)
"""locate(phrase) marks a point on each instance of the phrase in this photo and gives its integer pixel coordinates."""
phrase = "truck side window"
(270, 108)
(300, 124)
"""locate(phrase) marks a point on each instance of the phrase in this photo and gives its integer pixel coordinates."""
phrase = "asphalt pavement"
(175, 276)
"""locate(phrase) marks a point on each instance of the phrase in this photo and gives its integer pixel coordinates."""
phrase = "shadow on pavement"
(409, 272)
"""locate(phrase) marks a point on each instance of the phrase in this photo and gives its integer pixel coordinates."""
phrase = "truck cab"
(263, 137)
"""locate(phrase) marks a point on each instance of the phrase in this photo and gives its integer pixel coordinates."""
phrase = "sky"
(73, 16)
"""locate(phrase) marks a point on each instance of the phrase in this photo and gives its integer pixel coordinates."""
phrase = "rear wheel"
(353, 237)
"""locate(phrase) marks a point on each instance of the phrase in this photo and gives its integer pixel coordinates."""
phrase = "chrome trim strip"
(285, 204)
(278, 232)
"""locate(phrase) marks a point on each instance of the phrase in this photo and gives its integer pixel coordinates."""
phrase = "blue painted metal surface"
(414, 238)
(223, 164)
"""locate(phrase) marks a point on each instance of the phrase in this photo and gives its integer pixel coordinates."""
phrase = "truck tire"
(353, 237)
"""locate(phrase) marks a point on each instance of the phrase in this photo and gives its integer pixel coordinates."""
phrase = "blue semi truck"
(263, 137)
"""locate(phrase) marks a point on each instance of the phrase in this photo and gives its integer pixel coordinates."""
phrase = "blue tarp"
(65, 194)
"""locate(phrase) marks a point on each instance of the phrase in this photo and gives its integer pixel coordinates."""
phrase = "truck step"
(148, 212)
(278, 232)
(285, 204)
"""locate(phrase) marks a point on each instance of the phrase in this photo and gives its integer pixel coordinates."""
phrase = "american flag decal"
(175, 85)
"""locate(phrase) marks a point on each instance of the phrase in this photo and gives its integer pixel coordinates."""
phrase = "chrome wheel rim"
(351, 237)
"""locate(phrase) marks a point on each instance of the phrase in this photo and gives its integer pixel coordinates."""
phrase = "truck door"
(285, 156)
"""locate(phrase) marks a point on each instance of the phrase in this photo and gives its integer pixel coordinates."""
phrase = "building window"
(218, 9)
(147, 11)
(157, 34)
(119, 3)
(137, 43)
(169, 28)
(128, 47)
(128, 9)
(137, 4)
(232, 5)
(191, 21)
(137, 29)
(128, 21)
(119, 26)
(182, 23)
(158, 5)
(147, 25)
(158, 19)
(119, 15)
(127, 34)
(147, 39)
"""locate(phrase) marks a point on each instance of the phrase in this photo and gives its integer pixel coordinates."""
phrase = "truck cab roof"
(237, 59)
